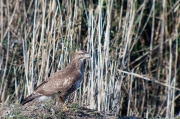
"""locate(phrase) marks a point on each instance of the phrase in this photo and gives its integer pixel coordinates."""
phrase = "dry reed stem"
(134, 48)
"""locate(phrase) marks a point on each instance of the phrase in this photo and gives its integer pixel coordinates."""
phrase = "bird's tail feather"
(30, 98)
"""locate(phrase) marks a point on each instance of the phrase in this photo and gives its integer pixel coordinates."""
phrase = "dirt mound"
(45, 111)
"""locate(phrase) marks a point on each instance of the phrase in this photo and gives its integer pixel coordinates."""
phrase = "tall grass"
(134, 47)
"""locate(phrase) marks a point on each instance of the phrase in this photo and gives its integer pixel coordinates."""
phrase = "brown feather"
(30, 98)
(64, 81)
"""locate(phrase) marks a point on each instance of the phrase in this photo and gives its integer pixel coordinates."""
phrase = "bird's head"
(81, 55)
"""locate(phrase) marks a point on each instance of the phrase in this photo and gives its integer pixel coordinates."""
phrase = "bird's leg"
(62, 100)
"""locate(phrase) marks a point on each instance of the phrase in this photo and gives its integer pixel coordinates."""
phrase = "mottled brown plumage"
(63, 82)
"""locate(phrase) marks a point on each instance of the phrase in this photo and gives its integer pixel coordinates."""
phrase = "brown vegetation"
(135, 47)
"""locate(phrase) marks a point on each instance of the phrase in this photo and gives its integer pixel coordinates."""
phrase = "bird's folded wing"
(58, 82)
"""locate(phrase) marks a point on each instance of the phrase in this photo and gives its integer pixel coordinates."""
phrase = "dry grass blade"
(134, 68)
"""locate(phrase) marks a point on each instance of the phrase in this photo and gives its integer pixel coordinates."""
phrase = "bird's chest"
(77, 84)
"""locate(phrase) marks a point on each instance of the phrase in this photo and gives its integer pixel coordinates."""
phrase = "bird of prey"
(63, 82)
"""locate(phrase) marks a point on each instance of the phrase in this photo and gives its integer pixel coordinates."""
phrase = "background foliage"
(135, 46)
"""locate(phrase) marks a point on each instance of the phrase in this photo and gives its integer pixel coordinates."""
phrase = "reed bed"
(134, 47)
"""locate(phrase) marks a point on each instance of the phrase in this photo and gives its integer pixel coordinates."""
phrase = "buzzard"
(63, 82)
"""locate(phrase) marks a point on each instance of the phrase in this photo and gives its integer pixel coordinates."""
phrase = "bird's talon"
(64, 107)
